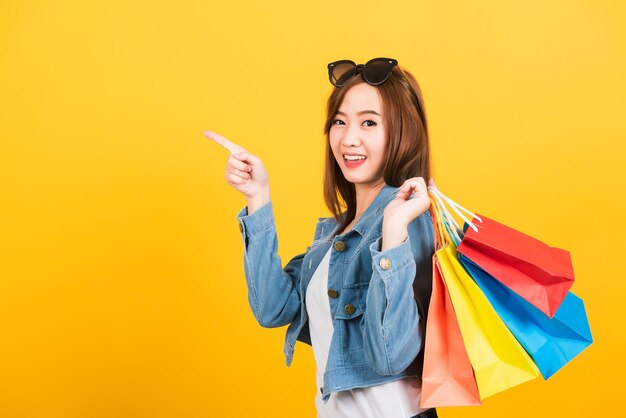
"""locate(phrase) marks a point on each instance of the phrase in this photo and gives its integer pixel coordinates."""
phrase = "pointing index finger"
(230, 146)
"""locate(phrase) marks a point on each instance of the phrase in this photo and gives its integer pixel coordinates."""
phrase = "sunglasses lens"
(341, 73)
(377, 71)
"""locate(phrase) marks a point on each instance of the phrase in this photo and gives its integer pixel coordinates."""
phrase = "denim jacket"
(378, 299)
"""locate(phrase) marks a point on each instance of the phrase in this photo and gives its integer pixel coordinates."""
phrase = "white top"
(395, 399)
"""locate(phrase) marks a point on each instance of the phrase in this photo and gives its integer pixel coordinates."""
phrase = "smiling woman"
(377, 138)
(359, 294)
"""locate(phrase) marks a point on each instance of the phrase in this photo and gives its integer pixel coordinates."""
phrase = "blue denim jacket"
(378, 326)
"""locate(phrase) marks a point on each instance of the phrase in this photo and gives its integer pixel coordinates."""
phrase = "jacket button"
(333, 294)
(321, 390)
(349, 309)
(384, 263)
(240, 228)
(339, 245)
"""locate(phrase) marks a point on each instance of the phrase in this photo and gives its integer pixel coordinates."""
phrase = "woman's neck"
(365, 195)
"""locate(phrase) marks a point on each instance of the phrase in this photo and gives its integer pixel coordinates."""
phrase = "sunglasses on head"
(375, 71)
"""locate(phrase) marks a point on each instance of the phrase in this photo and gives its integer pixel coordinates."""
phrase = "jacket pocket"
(352, 301)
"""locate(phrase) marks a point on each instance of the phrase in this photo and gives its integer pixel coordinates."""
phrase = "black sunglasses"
(375, 71)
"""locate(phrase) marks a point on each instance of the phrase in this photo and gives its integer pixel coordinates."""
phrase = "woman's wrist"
(393, 235)
(254, 203)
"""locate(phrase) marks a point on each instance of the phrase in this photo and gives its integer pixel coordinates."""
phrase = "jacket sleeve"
(392, 335)
(273, 292)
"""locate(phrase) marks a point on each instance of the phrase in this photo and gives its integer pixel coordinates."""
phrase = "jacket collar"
(373, 210)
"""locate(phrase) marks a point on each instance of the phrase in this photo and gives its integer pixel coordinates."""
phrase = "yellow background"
(122, 291)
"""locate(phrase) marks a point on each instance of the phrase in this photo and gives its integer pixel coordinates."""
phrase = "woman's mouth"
(354, 162)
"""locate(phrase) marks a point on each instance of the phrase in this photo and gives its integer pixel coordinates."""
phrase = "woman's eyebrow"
(339, 112)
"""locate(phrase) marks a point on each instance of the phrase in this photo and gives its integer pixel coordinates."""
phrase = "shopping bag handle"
(444, 234)
(455, 206)
(439, 238)
(448, 221)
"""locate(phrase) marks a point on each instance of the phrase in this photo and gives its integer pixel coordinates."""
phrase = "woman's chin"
(353, 179)
(357, 179)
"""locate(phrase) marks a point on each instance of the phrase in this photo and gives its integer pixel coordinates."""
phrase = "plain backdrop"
(122, 290)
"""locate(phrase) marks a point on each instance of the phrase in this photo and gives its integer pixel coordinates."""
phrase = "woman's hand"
(399, 213)
(244, 171)
(403, 209)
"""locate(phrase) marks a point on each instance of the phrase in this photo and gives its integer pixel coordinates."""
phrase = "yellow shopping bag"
(498, 359)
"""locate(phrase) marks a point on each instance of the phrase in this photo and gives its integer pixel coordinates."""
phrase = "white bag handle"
(455, 206)
(448, 219)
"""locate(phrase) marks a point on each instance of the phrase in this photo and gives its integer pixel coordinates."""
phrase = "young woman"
(359, 294)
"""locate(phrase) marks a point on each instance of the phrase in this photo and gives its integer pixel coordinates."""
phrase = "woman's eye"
(339, 121)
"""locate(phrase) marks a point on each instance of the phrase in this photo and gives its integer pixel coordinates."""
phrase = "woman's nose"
(351, 136)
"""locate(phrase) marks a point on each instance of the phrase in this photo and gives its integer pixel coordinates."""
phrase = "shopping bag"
(551, 342)
(447, 377)
(498, 359)
(537, 272)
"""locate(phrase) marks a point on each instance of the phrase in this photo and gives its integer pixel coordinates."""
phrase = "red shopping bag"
(537, 272)
(448, 377)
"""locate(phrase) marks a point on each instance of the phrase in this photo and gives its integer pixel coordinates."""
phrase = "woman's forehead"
(361, 97)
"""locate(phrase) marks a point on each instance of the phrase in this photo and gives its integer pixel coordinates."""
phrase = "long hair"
(407, 153)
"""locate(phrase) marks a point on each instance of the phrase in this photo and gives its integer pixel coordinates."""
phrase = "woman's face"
(358, 129)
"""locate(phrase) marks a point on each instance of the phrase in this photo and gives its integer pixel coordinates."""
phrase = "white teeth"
(353, 157)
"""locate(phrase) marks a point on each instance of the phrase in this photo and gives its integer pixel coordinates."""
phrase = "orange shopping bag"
(448, 377)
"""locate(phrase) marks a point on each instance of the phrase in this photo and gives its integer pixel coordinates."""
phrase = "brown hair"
(407, 151)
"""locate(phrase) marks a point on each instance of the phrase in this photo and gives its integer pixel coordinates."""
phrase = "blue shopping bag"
(551, 342)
